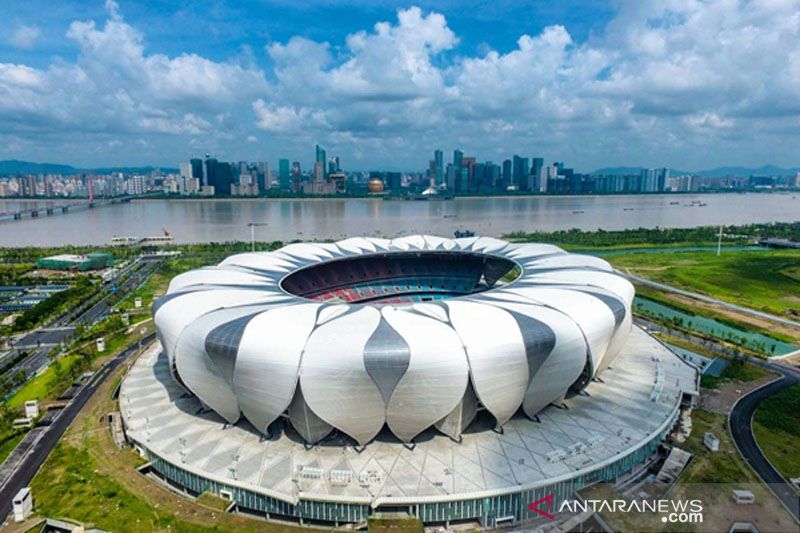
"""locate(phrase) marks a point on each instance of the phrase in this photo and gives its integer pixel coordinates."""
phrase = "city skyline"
(633, 84)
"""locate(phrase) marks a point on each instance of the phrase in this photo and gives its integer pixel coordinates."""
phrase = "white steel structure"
(409, 333)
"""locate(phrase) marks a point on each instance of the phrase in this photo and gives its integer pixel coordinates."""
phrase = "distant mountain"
(769, 170)
(718, 172)
(13, 166)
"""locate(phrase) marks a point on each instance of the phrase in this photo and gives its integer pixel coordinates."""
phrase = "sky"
(682, 83)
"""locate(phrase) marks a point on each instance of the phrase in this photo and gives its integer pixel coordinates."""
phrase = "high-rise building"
(536, 175)
(297, 175)
(458, 155)
(393, 181)
(520, 171)
(321, 158)
(284, 174)
(506, 174)
(663, 178)
(264, 174)
(333, 165)
(198, 170)
(438, 159)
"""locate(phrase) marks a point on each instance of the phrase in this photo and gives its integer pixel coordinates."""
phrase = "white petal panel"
(356, 245)
(570, 261)
(436, 377)
(496, 353)
(217, 276)
(196, 369)
(335, 381)
(563, 361)
(594, 318)
(179, 312)
(268, 362)
(307, 252)
(259, 260)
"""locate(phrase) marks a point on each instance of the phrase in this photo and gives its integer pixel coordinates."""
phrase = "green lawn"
(69, 481)
(764, 280)
(9, 441)
(776, 425)
(738, 370)
(47, 384)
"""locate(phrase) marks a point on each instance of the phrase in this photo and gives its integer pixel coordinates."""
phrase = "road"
(42, 340)
(741, 428)
(36, 457)
(703, 298)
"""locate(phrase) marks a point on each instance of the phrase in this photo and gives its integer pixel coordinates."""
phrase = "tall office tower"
(438, 158)
(198, 170)
(536, 175)
(393, 181)
(186, 170)
(222, 177)
(297, 175)
(333, 165)
(264, 174)
(458, 155)
(468, 164)
(506, 173)
(321, 157)
(450, 176)
(319, 171)
(663, 178)
(209, 167)
(493, 177)
(283, 174)
(431, 173)
(550, 178)
(520, 171)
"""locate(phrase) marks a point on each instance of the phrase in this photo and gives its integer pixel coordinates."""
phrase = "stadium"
(458, 380)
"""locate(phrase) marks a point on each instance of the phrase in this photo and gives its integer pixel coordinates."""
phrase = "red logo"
(535, 506)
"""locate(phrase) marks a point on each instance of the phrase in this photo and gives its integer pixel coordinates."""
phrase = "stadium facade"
(413, 350)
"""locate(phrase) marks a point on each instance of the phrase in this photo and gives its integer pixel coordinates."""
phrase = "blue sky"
(683, 83)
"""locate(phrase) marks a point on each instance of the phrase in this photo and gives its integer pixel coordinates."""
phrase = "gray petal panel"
(386, 358)
(311, 427)
(459, 419)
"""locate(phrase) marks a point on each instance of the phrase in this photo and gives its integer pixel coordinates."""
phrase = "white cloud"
(665, 82)
(25, 37)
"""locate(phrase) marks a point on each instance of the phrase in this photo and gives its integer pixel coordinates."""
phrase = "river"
(226, 220)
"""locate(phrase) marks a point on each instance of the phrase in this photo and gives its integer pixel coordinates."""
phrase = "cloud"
(665, 82)
(25, 37)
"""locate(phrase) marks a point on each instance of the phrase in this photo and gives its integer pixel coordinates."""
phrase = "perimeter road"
(36, 457)
(741, 427)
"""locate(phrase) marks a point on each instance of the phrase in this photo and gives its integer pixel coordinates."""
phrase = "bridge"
(54, 207)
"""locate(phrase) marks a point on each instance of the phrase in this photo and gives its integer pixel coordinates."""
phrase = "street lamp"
(253, 233)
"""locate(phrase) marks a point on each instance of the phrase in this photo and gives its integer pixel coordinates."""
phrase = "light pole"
(253, 233)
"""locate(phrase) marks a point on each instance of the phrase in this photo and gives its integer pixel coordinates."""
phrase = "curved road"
(741, 428)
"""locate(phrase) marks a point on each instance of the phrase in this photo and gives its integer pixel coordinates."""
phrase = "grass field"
(776, 425)
(737, 370)
(764, 280)
(47, 384)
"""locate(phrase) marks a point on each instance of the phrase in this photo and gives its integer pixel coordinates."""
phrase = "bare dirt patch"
(722, 399)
